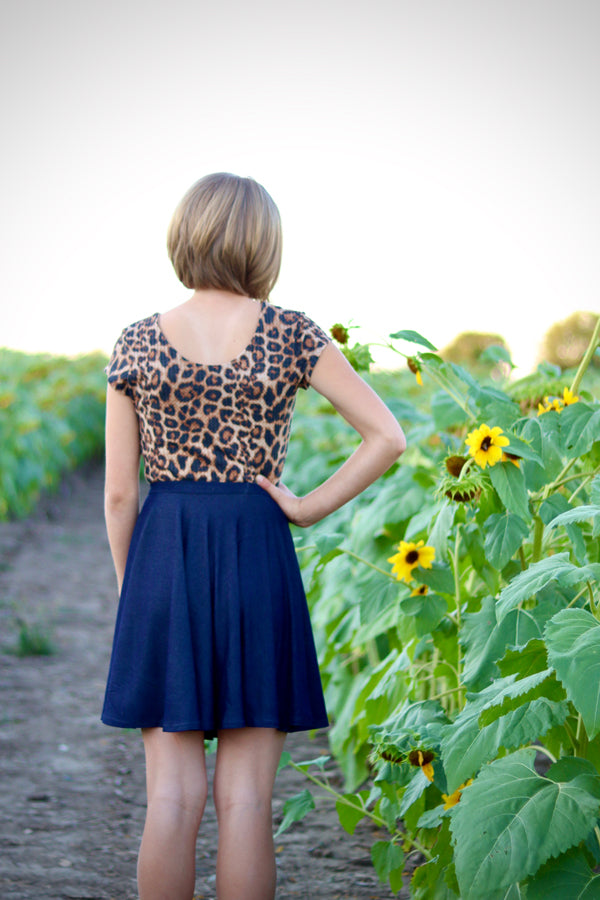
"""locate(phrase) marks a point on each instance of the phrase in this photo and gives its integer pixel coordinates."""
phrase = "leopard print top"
(226, 422)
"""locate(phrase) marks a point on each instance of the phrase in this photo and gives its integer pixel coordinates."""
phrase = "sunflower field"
(51, 420)
(456, 608)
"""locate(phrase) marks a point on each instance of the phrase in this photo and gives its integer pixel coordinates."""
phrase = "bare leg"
(245, 769)
(177, 789)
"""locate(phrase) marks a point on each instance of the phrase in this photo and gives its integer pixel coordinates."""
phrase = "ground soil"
(72, 796)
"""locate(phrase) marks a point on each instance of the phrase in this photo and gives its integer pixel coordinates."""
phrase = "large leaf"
(573, 641)
(388, 860)
(511, 820)
(526, 584)
(486, 639)
(438, 536)
(579, 428)
(438, 578)
(509, 482)
(569, 876)
(430, 880)
(413, 337)
(576, 514)
(507, 714)
(504, 535)
(522, 448)
(551, 509)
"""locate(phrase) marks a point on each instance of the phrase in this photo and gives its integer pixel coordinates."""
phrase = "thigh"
(246, 764)
(175, 765)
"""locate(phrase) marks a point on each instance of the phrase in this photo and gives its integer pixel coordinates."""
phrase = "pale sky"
(435, 163)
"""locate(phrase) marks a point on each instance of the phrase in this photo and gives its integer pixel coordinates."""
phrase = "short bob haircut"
(226, 234)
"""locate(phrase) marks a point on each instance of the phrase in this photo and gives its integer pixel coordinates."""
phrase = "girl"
(212, 635)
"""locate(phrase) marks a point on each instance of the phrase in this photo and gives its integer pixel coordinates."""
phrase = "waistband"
(188, 486)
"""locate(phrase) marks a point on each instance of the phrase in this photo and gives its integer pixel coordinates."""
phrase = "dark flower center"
(486, 443)
(412, 557)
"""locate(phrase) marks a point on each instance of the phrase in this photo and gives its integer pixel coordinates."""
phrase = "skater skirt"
(213, 629)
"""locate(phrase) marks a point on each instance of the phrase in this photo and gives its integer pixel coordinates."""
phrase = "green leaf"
(522, 448)
(540, 684)
(509, 483)
(446, 412)
(430, 880)
(427, 611)
(350, 810)
(551, 509)
(526, 584)
(438, 536)
(573, 641)
(575, 514)
(511, 820)
(319, 761)
(414, 790)
(413, 337)
(496, 353)
(504, 535)
(439, 578)
(579, 428)
(388, 860)
(284, 760)
(486, 724)
(295, 809)
(595, 490)
(525, 660)
(569, 876)
(486, 639)
(326, 543)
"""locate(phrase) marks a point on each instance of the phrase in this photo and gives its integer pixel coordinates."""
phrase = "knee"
(241, 800)
(180, 799)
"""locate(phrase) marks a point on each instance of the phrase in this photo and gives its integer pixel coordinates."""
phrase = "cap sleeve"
(122, 367)
(311, 340)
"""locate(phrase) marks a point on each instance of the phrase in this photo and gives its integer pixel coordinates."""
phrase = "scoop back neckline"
(190, 362)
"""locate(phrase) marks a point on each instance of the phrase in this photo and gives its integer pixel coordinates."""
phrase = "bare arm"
(121, 493)
(382, 442)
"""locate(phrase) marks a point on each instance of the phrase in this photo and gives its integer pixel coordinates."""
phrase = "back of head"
(226, 234)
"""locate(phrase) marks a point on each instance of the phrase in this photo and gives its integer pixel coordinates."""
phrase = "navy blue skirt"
(213, 629)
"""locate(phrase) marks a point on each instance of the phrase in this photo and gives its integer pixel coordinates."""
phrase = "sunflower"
(415, 368)
(423, 760)
(408, 557)
(485, 445)
(420, 591)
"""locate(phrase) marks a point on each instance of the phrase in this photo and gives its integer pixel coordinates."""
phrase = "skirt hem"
(196, 726)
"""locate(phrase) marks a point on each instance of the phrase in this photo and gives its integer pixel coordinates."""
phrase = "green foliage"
(51, 420)
(445, 692)
(33, 640)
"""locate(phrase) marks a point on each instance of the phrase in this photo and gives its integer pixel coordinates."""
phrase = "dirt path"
(72, 796)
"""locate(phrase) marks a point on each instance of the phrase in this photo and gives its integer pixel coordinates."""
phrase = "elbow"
(396, 441)
(118, 498)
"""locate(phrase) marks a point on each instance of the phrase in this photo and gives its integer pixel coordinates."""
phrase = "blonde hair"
(226, 234)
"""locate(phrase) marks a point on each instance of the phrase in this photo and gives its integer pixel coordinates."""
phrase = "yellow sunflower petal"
(427, 770)
(569, 397)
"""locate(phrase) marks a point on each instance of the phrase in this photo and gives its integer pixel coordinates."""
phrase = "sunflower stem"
(538, 534)
(593, 605)
(367, 563)
(445, 386)
(587, 358)
(455, 560)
